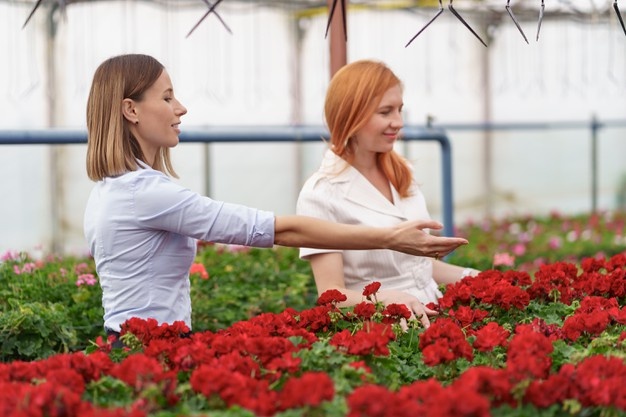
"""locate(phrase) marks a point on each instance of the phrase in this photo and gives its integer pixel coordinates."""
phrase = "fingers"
(421, 313)
(441, 246)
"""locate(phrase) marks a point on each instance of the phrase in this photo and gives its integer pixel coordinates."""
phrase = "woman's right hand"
(409, 237)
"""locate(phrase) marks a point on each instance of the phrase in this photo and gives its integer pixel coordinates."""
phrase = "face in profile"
(382, 129)
(155, 120)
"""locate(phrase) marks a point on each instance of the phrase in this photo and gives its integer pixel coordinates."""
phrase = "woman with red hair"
(362, 180)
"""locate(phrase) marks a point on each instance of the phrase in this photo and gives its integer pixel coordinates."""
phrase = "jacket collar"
(358, 189)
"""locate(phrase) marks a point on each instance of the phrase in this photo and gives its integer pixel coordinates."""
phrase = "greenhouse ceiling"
(488, 11)
(572, 8)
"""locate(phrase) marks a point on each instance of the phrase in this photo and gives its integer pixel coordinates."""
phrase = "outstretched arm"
(406, 237)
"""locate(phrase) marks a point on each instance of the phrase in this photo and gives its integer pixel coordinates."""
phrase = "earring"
(136, 122)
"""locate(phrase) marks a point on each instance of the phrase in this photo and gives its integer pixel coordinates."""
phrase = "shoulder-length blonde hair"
(352, 97)
(111, 148)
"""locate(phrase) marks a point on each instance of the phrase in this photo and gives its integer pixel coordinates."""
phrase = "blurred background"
(534, 127)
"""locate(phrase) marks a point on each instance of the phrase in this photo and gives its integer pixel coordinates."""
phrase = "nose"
(396, 120)
(180, 109)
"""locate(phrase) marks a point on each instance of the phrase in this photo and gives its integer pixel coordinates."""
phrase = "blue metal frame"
(258, 134)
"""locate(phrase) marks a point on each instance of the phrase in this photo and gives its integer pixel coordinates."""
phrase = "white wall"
(574, 71)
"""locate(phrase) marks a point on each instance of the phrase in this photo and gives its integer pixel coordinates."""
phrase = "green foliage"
(42, 309)
(35, 330)
(109, 392)
(245, 283)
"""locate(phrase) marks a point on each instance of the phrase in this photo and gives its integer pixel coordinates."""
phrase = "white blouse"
(338, 192)
(142, 228)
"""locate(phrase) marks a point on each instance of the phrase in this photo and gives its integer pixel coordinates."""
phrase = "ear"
(129, 110)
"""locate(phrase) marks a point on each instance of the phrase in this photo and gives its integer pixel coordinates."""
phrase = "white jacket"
(338, 192)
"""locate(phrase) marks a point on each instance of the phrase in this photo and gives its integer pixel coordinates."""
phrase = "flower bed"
(539, 333)
(503, 344)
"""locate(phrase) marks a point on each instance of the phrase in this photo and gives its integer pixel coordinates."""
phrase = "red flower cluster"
(496, 288)
(150, 329)
(423, 398)
(371, 340)
(528, 355)
(593, 316)
(255, 364)
(443, 342)
(490, 336)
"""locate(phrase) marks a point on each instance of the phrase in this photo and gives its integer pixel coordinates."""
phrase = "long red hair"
(352, 97)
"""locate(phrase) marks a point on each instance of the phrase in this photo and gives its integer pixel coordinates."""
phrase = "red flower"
(489, 382)
(315, 319)
(198, 269)
(49, 399)
(138, 371)
(490, 336)
(438, 352)
(331, 297)
(553, 390)
(444, 341)
(376, 401)
(467, 316)
(528, 355)
(395, 312)
(371, 340)
(506, 295)
(147, 329)
(364, 310)
(311, 389)
(371, 289)
(67, 378)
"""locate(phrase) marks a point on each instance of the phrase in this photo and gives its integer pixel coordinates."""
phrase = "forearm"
(445, 273)
(309, 232)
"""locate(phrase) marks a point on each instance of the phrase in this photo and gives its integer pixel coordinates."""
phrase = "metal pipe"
(595, 126)
(253, 134)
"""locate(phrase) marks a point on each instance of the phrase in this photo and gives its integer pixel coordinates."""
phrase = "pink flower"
(519, 249)
(503, 259)
(555, 242)
(10, 255)
(27, 268)
(80, 268)
(86, 279)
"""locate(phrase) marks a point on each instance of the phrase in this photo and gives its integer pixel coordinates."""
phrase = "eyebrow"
(390, 106)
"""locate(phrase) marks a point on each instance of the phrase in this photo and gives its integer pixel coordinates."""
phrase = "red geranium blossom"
(364, 310)
(371, 289)
(490, 336)
(395, 312)
(444, 341)
(331, 297)
(311, 389)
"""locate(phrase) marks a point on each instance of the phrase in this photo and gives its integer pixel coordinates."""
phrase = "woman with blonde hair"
(363, 181)
(142, 227)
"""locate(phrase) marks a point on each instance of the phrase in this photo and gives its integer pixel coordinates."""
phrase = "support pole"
(337, 42)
